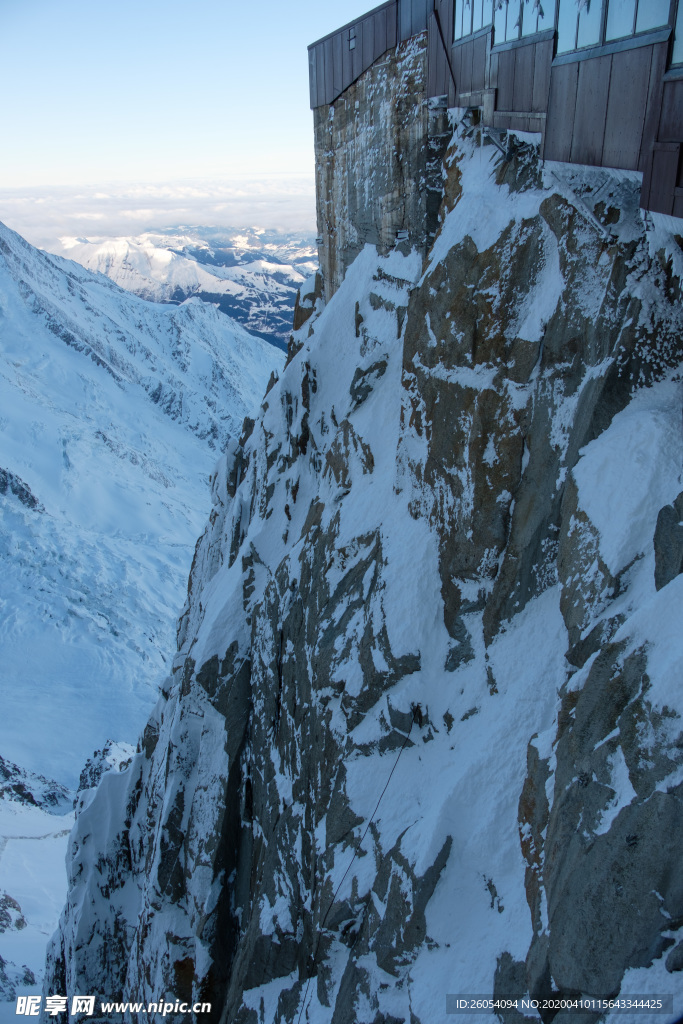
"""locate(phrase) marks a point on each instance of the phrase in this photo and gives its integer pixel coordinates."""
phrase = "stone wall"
(378, 153)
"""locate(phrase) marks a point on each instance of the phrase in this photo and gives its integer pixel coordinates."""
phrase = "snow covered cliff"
(423, 731)
(112, 414)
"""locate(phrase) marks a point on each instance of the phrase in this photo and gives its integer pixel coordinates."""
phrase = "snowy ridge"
(113, 412)
(252, 275)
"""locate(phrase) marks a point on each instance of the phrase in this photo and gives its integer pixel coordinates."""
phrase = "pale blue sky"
(157, 90)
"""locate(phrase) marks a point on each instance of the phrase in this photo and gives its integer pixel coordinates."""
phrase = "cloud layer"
(42, 215)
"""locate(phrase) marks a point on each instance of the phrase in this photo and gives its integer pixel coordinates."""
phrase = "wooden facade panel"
(564, 81)
(523, 86)
(479, 47)
(493, 71)
(665, 163)
(328, 57)
(506, 80)
(433, 84)
(447, 14)
(439, 71)
(357, 55)
(320, 73)
(347, 62)
(542, 63)
(312, 79)
(381, 32)
(368, 34)
(671, 121)
(404, 20)
(653, 108)
(338, 63)
(625, 121)
(591, 111)
(510, 122)
(412, 17)
(466, 58)
(392, 26)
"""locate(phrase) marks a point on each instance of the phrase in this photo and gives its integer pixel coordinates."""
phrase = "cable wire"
(355, 854)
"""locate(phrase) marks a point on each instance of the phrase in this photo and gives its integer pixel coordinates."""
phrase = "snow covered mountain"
(113, 411)
(423, 733)
(252, 274)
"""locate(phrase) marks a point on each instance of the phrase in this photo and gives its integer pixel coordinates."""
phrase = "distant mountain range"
(250, 274)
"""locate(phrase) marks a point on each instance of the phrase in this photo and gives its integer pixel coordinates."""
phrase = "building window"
(470, 16)
(580, 22)
(518, 18)
(628, 17)
(352, 39)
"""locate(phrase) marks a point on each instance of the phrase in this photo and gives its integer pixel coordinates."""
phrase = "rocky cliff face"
(378, 153)
(423, 731)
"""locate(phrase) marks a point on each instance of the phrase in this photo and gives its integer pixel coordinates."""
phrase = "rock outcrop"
(423, 732)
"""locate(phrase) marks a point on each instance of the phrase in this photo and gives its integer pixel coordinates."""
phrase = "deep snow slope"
(424, 732)
(113, 412)
(252, 274)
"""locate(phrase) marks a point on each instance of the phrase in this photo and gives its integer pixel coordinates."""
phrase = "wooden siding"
(671, 121)
(624, 123)
(666, 159)
(413, 17)
(564, 81)
(334, 66)
(440, 75)
(591, 107)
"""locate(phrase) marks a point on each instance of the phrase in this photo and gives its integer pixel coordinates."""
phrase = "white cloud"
(43, 215)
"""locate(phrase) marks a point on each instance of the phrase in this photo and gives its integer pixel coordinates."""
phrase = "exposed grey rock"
(11, 917)
(26, 787)
(669, 543)
(378, 162)
(364, 380)
(113, 757)
(674, 961)
(10, 483)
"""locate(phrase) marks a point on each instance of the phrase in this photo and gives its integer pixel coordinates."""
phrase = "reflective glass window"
(467, 18)
(476, 19)
(566, 26)
(457, 20)
(546, 14)
(499, 19)
(514, 20)
(487, 13)
(590, 23)
(652, 14)
(677, 56)
(620, 18)
(529, 17)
